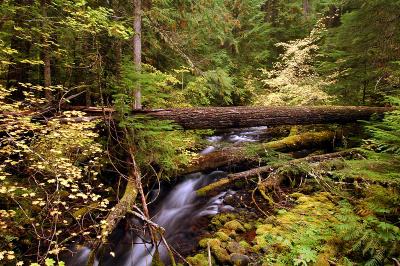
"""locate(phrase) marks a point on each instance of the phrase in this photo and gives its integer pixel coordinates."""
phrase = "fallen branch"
(238, 155)
(274, 181)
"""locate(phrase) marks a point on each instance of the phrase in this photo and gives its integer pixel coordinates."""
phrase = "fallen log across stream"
(264, 170)
(237, 155)
(241, 117)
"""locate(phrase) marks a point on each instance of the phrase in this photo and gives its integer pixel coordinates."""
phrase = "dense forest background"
(60, 172)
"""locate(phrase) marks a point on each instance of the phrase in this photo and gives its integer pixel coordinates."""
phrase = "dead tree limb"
(237, 155)
(253, 173)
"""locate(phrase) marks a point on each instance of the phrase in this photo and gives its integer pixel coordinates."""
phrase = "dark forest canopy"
(65, 183)
(216, 50)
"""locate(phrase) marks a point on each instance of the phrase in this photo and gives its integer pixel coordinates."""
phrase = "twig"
(209, 253)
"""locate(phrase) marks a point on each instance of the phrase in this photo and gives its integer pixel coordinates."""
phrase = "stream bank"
(306, 220)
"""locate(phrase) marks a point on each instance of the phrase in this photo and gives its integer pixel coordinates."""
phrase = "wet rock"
(226, 208)
(238, 259)
(229, 199)
(235, 247)
(252, 215)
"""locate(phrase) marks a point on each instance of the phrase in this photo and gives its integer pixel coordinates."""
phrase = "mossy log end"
(236, 155)
(275, 180)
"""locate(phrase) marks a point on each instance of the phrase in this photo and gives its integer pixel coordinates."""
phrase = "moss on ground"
(352, 224)
(376, 167)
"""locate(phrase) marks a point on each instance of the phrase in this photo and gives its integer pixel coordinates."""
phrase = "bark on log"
(223, 182)
(236, 155)
(241, 117)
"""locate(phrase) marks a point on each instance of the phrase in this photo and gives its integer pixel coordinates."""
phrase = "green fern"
(386, 134)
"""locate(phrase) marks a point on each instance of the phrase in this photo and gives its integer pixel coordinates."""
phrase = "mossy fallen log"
(276, 180)
(237, 155)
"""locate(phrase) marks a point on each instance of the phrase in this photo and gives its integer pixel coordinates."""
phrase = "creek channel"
(180, 212)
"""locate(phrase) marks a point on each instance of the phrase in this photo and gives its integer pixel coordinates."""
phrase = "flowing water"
(177, 213)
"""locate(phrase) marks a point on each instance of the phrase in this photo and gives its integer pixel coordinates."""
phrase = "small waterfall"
(176, 213)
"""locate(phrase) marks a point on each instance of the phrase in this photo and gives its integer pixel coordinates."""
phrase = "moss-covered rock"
(248, 226)
(297, 195)
(220, 219)
(308, 224)
(222, 236)
(217, 248)
(235, 247)
(234, 225)
(203, 242)
(198, 260)
(245, 245)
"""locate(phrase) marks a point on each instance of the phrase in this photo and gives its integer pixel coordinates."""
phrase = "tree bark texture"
(137, 49)
(306, 8)
(242, 117)
(237, 155)
(46, 55)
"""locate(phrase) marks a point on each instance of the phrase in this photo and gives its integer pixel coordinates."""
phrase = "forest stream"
(180, 212)
(200, 133)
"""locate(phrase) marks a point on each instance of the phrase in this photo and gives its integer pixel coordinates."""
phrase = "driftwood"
(241, 117)
(276, 179)
(237, 155)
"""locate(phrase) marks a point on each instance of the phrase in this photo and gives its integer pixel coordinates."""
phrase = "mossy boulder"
(220, 219)
(234, 225)
(222, 236)
(290, 228)
(245, 245)
(217, 248)
(235, 247)
(198, 260)
(248, 226)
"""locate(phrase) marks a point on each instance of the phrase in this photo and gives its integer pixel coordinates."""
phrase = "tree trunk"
(306, 8)
(237, 155)
(242, 117)
(46, 55)
(220, 184)
(137, 50)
